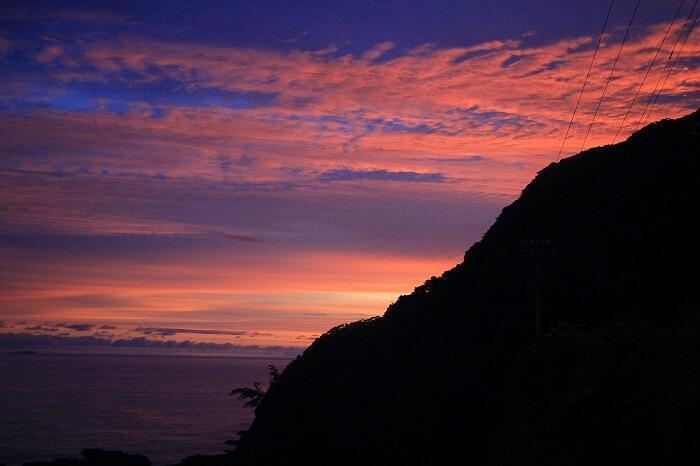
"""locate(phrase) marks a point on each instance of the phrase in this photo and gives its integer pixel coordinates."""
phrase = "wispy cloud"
(60, 326)
(347, 174)
(174, 331)
(77, 327)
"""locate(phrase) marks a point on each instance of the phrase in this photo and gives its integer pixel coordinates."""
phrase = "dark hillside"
(599, 256)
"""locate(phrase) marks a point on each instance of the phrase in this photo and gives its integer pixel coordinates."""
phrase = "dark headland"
(569, 335)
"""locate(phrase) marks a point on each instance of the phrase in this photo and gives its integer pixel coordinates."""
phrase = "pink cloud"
(49, 53)
(459, 92)
(337, 154)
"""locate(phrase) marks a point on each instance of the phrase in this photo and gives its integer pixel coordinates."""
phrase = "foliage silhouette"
(255, 394)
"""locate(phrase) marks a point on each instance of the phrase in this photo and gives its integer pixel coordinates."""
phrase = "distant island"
(22, 352)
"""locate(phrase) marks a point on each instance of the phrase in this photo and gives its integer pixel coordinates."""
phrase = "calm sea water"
(164, 406)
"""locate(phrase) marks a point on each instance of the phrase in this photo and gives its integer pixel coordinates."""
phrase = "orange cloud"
(49, 53)
(427, 85)
(283, 296)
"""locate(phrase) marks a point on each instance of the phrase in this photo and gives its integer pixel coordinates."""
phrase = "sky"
(251, 174)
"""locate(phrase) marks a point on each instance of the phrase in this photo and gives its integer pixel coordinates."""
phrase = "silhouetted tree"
(254, 394)
(273, 373)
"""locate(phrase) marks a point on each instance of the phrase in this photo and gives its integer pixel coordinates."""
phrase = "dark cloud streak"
(174, 331)
(47, 342)
(348, 174)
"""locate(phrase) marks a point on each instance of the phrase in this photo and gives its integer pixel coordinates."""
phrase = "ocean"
(166, 407)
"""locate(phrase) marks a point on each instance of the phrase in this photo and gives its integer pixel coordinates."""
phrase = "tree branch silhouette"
(253, 395)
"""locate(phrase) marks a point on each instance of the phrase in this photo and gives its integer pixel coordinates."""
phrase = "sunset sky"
(258, 172)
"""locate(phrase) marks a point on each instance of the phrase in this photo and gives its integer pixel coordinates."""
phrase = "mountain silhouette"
(569, 335)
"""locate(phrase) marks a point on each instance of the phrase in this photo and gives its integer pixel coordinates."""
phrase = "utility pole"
(537, 257)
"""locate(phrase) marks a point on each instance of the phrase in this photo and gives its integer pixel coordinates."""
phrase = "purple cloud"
(348, 174)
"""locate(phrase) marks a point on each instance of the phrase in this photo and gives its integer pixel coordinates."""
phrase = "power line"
(651, 65)
(612, 70)
(690, 31)
(655, 96)
(668, 60)
(585, 81)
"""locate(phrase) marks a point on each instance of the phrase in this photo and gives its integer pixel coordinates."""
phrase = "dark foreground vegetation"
(570, 335)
